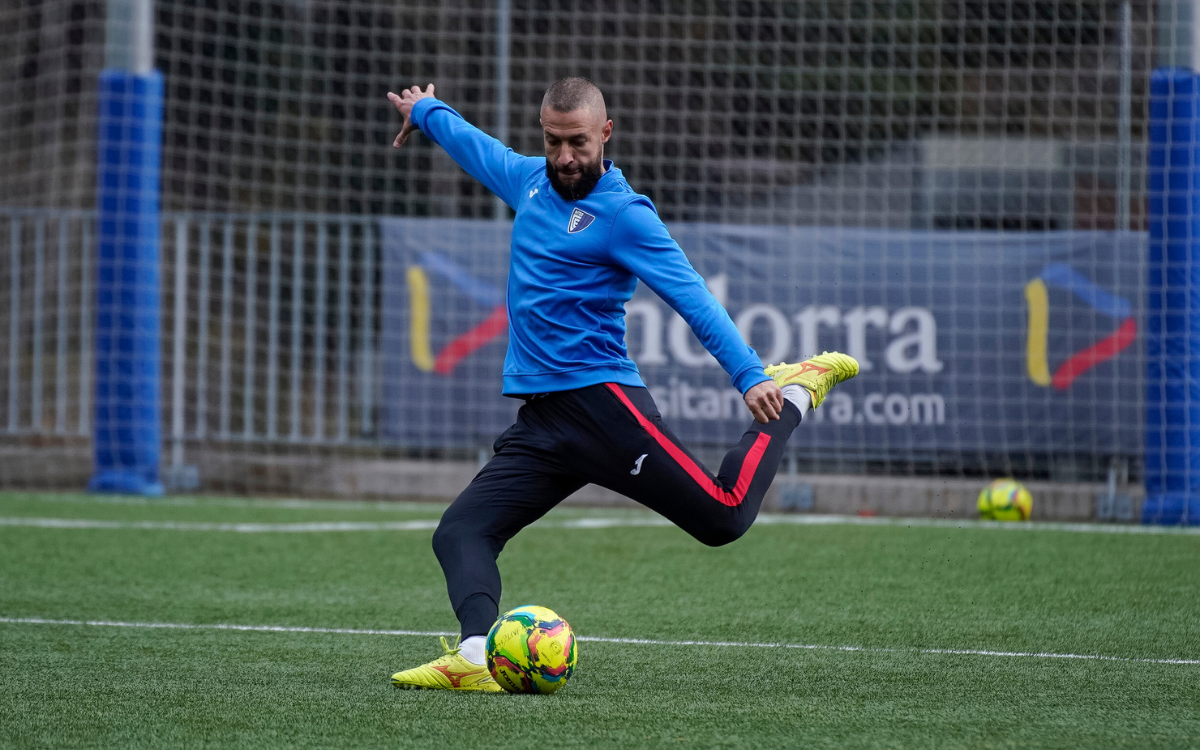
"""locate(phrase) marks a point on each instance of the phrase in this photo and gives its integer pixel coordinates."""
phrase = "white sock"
(473, 649)
(799, 396)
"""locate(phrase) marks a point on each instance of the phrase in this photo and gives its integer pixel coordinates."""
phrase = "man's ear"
(607, 131)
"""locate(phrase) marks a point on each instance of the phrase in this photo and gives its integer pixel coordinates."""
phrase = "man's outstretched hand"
(404, 103)
(765, 401)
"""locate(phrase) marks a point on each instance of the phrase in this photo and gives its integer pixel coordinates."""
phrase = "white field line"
(241, 528)
(216, 626)
(228, 502)
(596, 639)
(602, 522)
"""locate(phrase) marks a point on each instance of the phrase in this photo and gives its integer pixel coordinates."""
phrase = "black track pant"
(610, 435)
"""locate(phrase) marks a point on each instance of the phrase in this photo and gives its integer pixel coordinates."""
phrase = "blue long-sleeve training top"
(574, 266)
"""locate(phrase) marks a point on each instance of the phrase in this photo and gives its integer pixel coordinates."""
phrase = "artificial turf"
(878, 587)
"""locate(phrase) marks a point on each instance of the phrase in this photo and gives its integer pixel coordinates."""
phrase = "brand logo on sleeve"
(580, 220)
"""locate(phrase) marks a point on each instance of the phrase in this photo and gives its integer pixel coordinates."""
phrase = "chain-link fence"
(913, 118)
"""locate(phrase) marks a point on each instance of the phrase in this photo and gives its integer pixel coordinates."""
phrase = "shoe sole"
(407, 686)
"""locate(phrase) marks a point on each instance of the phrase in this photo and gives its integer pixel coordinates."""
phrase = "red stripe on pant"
(701, 477)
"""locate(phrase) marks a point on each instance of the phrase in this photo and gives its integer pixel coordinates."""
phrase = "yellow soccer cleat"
(450, 672)
(817, 375)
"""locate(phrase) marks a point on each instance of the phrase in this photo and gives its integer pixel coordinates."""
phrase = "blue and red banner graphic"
(967, 341)
(466, 343)
(1063, 276)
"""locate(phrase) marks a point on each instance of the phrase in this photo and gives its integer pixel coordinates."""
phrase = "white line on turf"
(950, 523)
(217, 626)
(594, 639)
(226, 502)
(591, 523)
(241, 528)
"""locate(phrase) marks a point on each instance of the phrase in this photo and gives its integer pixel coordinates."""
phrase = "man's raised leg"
(664, 476)
(669, 480)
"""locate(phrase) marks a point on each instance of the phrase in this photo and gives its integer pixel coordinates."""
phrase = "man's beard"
(589, 175)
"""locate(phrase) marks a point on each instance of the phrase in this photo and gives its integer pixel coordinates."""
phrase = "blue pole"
(1173, 301)
(127, 427)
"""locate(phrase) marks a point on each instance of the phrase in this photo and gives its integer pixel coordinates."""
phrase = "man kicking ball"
(581, 240)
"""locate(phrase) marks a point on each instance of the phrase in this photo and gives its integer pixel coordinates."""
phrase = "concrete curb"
(228, 472)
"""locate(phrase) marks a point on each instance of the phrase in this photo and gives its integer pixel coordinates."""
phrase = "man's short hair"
(570, 94)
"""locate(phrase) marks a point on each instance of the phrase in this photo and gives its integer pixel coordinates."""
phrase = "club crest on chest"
(579, 221)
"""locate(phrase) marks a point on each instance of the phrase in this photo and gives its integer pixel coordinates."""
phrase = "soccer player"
(581, 240)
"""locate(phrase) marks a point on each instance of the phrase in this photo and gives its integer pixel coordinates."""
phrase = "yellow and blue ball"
(531, 650)
(1005, 500)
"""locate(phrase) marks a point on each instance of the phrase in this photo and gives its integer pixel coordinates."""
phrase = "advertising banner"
(968, 341)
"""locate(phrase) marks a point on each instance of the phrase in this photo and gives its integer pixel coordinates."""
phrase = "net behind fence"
(968, 134)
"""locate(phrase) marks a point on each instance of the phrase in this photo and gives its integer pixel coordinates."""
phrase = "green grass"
(879, 587)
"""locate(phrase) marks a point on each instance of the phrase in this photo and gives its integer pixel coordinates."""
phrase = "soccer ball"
(1005, 500)
(531, 650)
